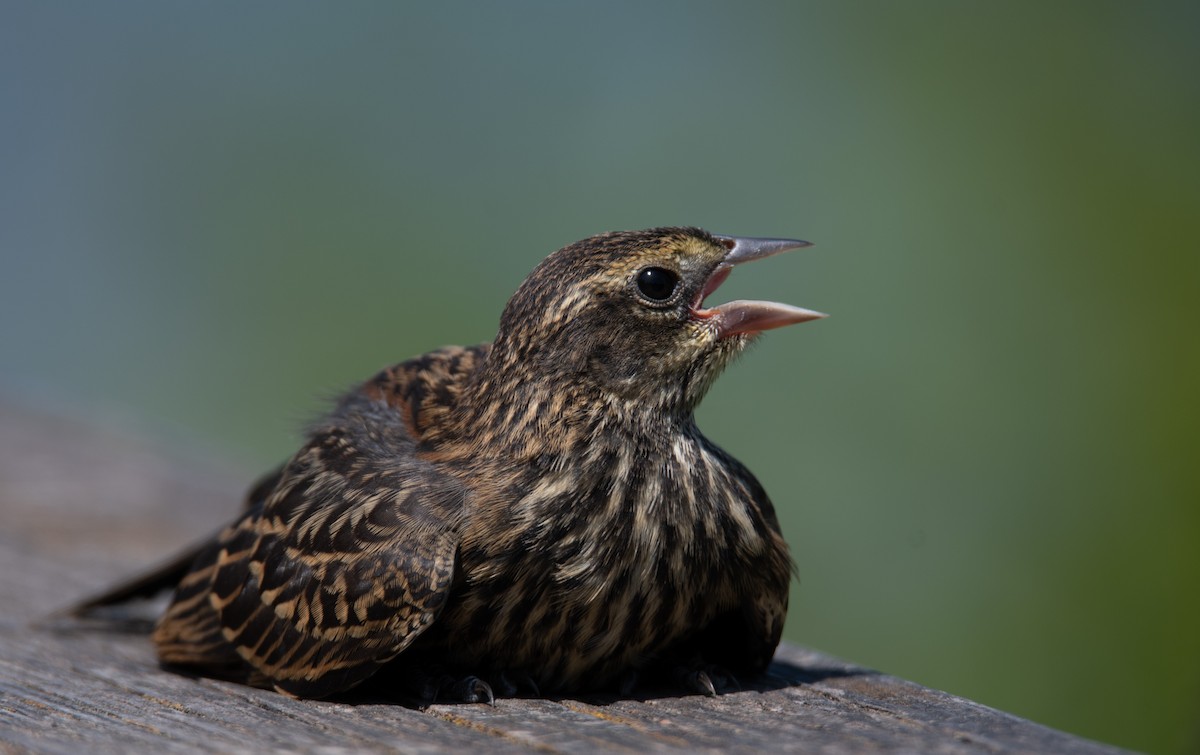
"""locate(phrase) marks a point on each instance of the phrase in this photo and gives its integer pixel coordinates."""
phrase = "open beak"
(749, 316)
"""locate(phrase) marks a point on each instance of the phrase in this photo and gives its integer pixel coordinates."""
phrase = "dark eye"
(657, 284)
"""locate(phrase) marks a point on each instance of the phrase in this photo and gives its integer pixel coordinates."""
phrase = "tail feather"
(166, 576)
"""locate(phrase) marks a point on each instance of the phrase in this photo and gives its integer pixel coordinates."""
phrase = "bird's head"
(623, 315)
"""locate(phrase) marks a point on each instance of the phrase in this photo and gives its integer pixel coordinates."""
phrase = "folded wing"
(344, 563)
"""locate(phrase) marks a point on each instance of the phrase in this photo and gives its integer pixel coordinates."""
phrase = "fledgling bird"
(541, 511)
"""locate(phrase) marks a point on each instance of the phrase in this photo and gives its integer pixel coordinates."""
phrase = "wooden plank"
(82, 506)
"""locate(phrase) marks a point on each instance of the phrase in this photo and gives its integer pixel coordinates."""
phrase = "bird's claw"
(700, 682)
(472, 689)
(707, 680)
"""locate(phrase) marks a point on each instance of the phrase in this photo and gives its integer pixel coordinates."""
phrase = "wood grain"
(83, 505)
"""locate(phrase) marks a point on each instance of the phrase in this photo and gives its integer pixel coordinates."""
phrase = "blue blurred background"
(213, 216)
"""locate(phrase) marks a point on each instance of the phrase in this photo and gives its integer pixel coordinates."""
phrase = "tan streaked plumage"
(540, 508)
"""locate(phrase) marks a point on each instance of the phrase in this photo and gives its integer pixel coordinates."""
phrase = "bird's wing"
(348, 559)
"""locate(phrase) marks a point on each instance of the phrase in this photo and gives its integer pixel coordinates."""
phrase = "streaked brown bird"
(538, 512)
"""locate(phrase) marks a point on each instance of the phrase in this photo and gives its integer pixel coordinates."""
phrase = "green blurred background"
(212, 216)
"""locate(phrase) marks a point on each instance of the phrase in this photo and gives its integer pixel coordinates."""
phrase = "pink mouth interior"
(712, 284)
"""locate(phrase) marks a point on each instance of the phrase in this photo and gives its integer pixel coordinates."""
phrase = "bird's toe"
(472, 689)
(706, 679)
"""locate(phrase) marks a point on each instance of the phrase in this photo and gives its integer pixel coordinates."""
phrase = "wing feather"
(344, 563)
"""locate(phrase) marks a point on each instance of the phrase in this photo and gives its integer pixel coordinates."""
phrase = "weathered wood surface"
(81, 506)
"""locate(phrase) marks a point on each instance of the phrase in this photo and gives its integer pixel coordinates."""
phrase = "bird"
(539, 514)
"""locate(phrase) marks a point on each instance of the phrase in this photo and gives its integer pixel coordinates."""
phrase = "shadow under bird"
(540, 513)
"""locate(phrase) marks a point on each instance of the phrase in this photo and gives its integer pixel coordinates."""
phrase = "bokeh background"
(214, 216)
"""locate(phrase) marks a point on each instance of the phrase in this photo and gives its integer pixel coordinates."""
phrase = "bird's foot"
(706, 679)
(472, 689)
(431, 688)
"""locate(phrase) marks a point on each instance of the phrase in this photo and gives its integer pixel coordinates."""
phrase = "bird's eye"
(656, 283)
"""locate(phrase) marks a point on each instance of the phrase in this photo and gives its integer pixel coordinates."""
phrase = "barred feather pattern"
(346, 561)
